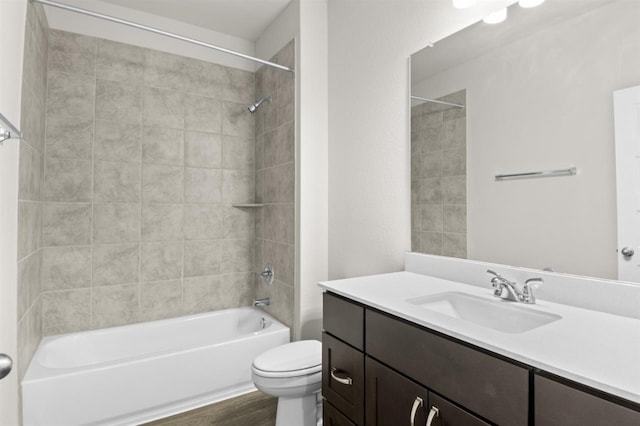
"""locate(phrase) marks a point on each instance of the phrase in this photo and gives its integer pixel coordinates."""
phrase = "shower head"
(254, 106)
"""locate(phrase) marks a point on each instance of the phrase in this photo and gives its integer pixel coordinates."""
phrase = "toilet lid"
(294, 359)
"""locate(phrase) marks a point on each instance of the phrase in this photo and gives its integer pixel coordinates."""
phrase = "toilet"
(293, 374)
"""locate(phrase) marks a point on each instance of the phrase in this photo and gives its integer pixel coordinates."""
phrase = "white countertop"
(597, 349)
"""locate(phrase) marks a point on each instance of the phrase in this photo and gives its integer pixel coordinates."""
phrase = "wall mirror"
(538, 95)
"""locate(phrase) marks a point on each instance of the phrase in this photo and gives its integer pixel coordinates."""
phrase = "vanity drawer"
(343, 319)
(562, 405)
(332, 417)
(489, 386)
(343, 377)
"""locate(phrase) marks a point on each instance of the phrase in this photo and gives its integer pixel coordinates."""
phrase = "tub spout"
(262, 302)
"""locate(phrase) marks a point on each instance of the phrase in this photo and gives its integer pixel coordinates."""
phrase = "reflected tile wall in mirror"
(438, 178)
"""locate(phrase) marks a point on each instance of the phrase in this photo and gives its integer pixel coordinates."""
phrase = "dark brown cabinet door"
(343, 377)
(557, 404)
(392, 399)
(332, 417)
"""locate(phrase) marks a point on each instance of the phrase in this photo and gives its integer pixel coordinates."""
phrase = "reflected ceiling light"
(530, 3)
(496, 17)
(463, 4)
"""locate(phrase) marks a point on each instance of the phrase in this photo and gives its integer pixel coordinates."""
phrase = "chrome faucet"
(262, 302)
(508, 290)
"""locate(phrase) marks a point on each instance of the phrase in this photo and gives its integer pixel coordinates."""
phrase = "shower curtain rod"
(418, 98)
(160, 32)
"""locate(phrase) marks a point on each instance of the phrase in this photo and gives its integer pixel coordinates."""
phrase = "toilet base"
(300, 411)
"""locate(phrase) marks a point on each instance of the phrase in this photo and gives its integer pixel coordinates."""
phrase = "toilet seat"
(296, 359)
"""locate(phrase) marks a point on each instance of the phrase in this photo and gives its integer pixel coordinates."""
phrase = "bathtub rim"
(37, 372)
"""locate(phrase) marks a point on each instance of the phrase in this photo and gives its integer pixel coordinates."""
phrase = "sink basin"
(508, 317)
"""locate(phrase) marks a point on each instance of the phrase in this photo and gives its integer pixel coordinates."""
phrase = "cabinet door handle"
(416, 404)
(346, 381)
(433, 413)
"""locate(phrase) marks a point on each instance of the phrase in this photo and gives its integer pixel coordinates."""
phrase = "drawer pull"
(416, 404)
(433, 413)
(346, 381)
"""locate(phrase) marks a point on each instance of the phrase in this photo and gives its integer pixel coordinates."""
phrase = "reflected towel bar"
(8, 130)
(545, 173)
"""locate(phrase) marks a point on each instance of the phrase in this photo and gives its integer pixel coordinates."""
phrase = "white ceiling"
(246, 19)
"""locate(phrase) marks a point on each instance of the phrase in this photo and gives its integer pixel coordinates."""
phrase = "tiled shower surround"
(145, 153)
(30, 188)
(438, 178)
(275, 183)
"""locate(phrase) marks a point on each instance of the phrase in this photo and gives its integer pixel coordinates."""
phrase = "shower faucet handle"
(267, 274)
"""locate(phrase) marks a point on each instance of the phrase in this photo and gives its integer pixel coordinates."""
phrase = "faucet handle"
(529, 286)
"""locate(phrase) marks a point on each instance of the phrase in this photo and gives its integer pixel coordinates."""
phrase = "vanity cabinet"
(392, 399)
(381, 370)
(559, 404)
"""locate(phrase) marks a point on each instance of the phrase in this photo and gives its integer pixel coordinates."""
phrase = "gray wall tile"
(116, 223)
(161, 145)
(159, 300)
(115, 264)
(203, 150)
(204, 78)
(29, 282)
(202, 258)
(66, 224)
(201, 294)
(31, 173)
(68, 180)
(72, 53)
(70, 95)
(454, 190)
(163, 108)
(455, 218)
(237, 255)
(202, 185)
(66, 311)
(454, 162)
(119, 62)
(238, 152)
(236, 121)
(431, 243)
(161, 261)
(164, 70)
(454, 245)
(432, 218)
(285, 106)
(238, 86)
(162, 222)
(238, 186)
(203, 221)
(119, 102)
(203, 114)
(117, 141)
(67, 138)
(65, 268)
(162, 184)
(116, 182)
(239, 222)
(115, 305)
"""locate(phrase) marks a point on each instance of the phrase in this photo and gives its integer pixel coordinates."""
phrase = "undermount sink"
(499, 315)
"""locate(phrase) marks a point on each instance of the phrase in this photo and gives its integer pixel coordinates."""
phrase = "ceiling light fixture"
(496, 17)
(530, 3)
(464, 4)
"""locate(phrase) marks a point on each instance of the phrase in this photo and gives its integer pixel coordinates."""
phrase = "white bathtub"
(142, 372)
